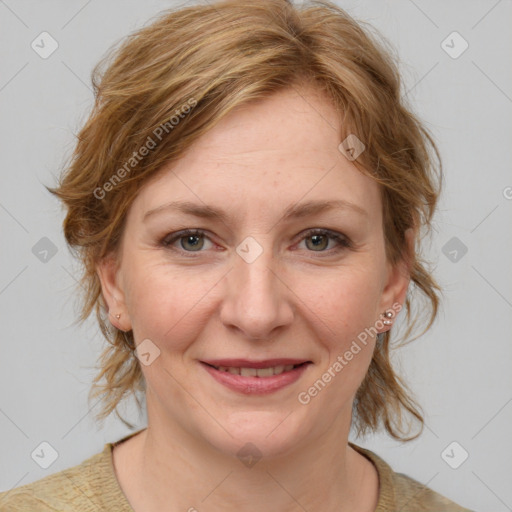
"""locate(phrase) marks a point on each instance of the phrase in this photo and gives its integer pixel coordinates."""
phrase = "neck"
(171, 470)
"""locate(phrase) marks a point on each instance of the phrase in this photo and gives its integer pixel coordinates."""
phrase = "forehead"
(265, 156)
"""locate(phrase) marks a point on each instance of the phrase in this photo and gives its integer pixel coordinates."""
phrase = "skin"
(295, 300)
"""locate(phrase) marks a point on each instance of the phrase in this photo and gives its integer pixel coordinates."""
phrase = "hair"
(181, 74)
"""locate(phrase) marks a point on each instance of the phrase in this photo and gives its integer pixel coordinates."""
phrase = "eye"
(192, 240)
(320, 240)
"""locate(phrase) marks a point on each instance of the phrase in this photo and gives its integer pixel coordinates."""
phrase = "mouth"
(267, 371)
(256, 377)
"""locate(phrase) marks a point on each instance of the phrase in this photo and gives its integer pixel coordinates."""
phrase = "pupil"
(317, 240)
(190, 240)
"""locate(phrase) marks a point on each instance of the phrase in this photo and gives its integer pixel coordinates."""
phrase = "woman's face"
(256, 284)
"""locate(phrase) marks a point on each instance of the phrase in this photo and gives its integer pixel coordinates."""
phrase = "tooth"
(279, 369)
(248, 372)
(265, 372)
(256, 372)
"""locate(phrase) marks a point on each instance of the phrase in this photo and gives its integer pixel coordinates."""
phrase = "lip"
(246, 363)
(256, 385)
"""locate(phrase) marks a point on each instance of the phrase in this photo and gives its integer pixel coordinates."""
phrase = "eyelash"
(342, 241)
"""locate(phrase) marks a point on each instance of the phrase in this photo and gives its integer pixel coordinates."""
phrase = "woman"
(246, 198)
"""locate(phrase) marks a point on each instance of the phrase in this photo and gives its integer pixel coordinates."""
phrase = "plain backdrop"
(460, 370)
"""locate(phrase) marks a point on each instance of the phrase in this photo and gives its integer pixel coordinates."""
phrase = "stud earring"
(387, 314)
(118, 316)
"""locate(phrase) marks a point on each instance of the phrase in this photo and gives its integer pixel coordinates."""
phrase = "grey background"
(460, 370)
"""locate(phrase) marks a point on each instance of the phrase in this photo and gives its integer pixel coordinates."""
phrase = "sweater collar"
(118, 500)
(386, 501)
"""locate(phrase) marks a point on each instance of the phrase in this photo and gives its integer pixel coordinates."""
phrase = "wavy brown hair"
(188, 69)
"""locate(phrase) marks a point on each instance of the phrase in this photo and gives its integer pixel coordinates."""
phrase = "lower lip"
(256, 385)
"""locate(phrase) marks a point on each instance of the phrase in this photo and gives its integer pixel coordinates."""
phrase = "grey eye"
(196, 242)
(318, 243)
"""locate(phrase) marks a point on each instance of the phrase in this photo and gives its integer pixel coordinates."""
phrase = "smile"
(257, 372)
(249, 380)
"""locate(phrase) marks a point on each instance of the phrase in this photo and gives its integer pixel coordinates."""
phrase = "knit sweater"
(92, 486)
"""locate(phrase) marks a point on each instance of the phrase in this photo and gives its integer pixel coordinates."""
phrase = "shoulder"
(73, 489)
(91, 486)
(415, 496)
(401, 492)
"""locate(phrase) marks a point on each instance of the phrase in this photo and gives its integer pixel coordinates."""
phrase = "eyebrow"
(293, 211)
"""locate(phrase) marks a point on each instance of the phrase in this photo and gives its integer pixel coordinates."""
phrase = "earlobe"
(112, 290)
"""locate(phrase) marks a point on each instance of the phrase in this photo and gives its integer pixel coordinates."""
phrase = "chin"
(257, 434)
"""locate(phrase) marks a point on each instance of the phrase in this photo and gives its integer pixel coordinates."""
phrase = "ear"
(399, 277)
(108, 270)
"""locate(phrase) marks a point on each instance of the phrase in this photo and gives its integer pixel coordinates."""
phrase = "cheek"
(344, 301)
(164, 303)
(341, 311)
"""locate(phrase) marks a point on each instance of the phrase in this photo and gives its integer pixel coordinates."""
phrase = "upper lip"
(247, 363)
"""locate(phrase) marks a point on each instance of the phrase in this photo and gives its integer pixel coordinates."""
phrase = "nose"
(257, 300)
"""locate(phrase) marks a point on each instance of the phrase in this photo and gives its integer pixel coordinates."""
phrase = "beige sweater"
(93, 487)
